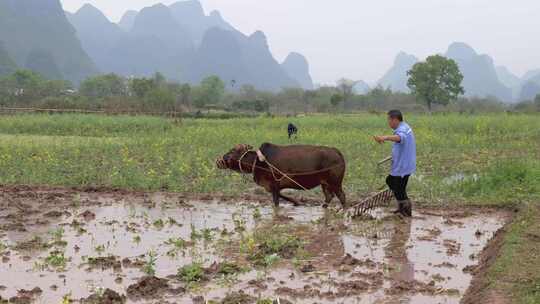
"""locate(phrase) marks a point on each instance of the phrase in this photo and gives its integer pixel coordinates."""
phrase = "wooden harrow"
(381, 199)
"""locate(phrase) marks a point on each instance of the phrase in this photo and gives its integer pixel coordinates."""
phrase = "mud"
(107, 297)
(98, 246)
(149, 287)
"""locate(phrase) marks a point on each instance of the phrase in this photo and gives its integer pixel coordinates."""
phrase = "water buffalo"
(307, 166)
(292, 130)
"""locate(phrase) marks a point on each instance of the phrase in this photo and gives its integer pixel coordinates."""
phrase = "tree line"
(434, 83)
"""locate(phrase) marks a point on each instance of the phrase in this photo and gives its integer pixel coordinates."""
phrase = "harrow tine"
(380, 199)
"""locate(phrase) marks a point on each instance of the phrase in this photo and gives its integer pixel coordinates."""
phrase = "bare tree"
(345, 86)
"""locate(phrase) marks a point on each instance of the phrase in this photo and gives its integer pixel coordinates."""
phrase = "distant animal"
(292, 130)
(307, 166)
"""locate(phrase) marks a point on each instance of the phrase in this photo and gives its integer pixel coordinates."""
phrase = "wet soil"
(99, 247)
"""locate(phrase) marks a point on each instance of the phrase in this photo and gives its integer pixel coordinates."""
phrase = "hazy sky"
(359, 39)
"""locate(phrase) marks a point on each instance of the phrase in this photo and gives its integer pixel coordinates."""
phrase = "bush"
(255, 106)
(159, 99)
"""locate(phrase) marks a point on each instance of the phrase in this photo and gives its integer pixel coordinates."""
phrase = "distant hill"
(190, 14)
(35, 31)
(97, 34)
(159, 21)
(128, 19)
(42, 62)
(181, 42)
(531, 74)
(480, 75)
(265, 71)
(230, 65)
(396, 78)
(238, 60)
(530, 88)
(155, 42)
(297, 67)
(7, 65)
(509, 80)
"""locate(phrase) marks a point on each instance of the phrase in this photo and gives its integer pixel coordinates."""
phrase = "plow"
(378, 200)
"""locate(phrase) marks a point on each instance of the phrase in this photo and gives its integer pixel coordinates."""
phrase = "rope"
(283, 175)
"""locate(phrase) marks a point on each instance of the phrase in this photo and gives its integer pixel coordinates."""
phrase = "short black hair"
(395, 114)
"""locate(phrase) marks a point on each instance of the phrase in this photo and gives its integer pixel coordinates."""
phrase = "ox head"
(232, 158)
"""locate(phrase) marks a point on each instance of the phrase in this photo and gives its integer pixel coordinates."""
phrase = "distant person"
(292, 130)
(403, 160)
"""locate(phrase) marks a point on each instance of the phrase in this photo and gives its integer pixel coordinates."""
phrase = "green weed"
(149, 267)
(56, 259)
(191, 273)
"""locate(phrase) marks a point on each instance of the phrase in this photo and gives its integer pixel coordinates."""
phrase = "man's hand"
(379, 139)
(382, 138)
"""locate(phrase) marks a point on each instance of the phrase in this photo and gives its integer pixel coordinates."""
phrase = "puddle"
(460, 177)
(387, 260)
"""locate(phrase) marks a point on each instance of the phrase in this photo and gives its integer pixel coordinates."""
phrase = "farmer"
(403, 160)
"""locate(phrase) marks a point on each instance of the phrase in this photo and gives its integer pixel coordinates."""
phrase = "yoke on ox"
(300, 167)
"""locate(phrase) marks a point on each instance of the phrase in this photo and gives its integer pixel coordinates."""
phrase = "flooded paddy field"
(65, 246)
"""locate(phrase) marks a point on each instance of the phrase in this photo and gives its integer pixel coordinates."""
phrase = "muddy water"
(389, 260)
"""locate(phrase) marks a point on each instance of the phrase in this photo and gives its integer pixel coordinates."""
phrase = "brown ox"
(305, 167)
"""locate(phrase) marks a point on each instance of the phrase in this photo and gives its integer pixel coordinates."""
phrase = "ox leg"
(289, 199)
(275, 197)
(328, 196)
(342, 198)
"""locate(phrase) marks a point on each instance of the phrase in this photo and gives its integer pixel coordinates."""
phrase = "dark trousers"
(398, 185)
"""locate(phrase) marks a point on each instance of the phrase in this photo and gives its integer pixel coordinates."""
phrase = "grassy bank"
(487, 159)
(516, 273)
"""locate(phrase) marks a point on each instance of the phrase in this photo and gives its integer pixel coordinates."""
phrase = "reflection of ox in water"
(299, 167)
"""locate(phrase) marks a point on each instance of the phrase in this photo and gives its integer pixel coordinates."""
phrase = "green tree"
(436, 80)
(26, 79)
(21, 87)
(210, 91)
(336, 99)
(141, 86)
(308, 97)
(248, 91)
(185, 94)
(159, 79)
(537, 102)
(53, 88)
(104, 86)
(346, 87)
(159, 99)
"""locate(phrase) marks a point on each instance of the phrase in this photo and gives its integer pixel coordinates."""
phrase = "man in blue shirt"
(403, 159)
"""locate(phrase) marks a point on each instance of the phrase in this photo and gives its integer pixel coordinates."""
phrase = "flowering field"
(478, 158)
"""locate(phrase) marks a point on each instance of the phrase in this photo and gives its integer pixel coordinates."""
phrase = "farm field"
(484, 159)
(117, 200)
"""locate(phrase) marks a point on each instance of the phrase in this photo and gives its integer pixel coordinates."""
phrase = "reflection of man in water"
(396, 253)
(403, 159)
